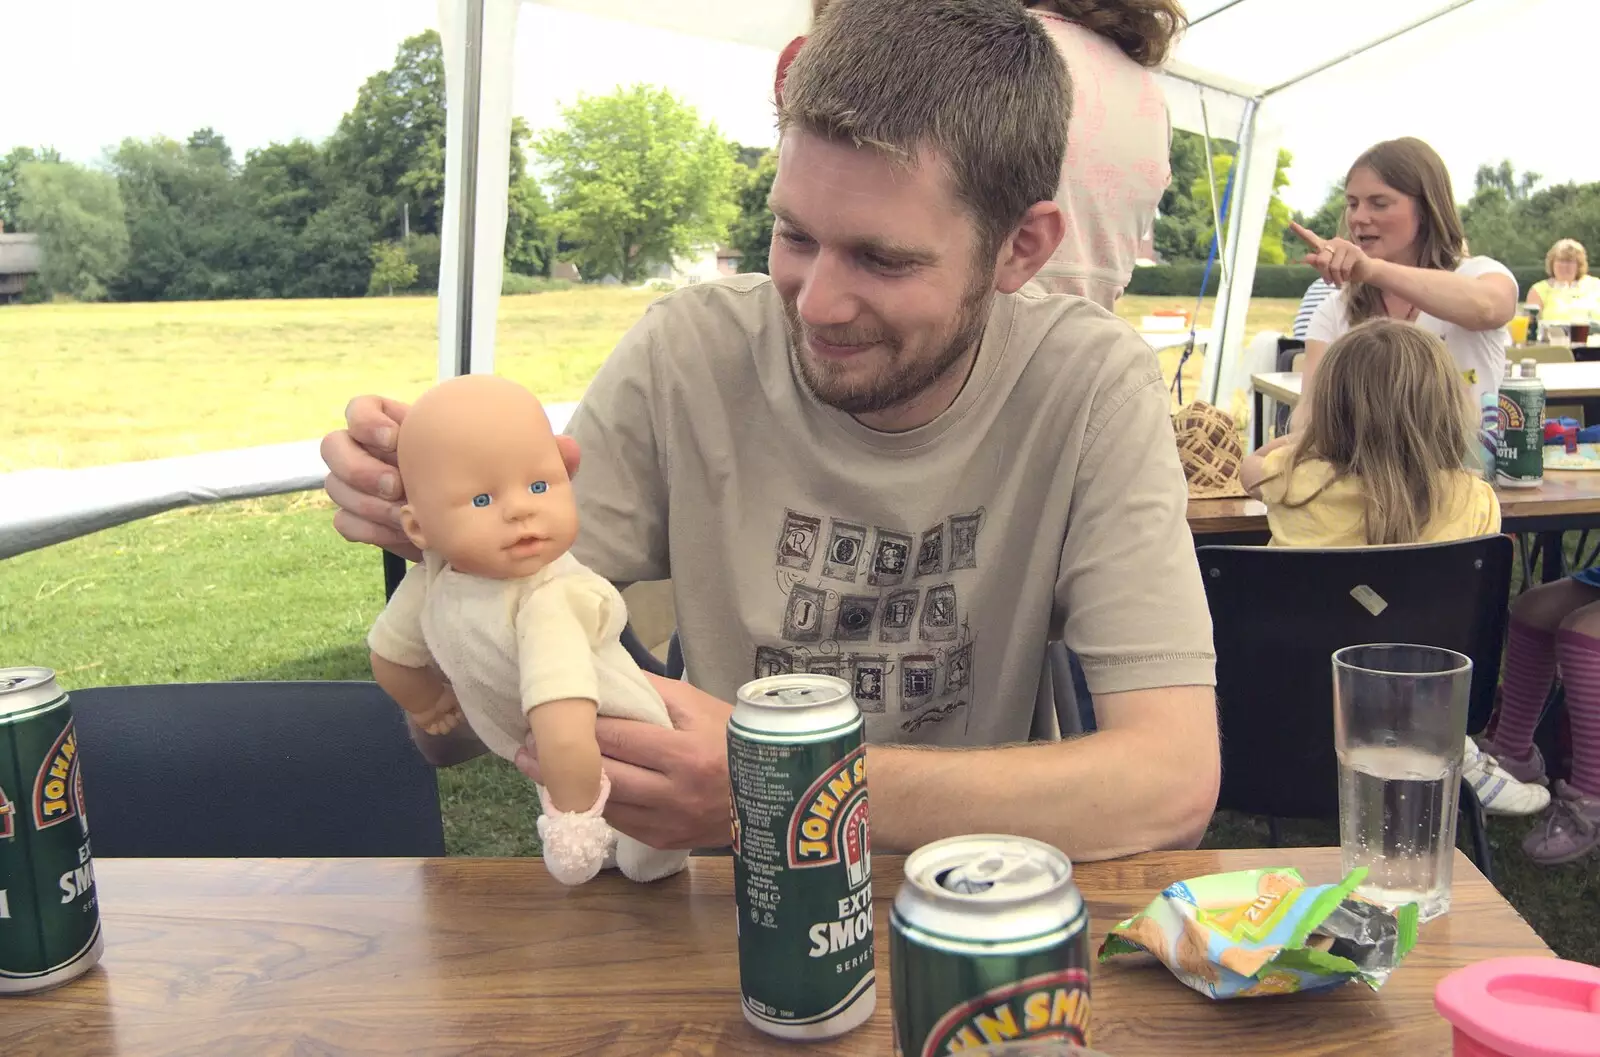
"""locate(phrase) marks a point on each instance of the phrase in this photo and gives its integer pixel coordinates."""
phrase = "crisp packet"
(1266, 932)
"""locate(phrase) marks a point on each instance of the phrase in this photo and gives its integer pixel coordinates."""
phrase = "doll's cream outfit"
(508, 646)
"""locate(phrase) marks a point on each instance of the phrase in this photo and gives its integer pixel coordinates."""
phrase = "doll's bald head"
(485, 483)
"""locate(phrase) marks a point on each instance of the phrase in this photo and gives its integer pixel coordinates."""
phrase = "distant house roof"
(19, 254)
(729, 251)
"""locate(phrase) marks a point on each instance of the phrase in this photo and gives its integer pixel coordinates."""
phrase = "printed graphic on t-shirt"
(881, 608)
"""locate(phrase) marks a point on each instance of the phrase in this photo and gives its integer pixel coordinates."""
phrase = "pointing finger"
(1310, 238)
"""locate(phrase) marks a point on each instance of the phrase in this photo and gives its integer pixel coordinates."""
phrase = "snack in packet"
(1266, 932)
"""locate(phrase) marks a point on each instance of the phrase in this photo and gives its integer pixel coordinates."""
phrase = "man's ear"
(412, 527)
(1029, 246)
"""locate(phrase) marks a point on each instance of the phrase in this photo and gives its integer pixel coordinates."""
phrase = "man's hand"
(669, 788)
(1339, 261)
(364, 475)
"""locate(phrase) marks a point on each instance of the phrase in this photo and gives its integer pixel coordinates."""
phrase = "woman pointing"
(1406, 259)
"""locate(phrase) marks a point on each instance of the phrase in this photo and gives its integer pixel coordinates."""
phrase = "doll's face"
(485, 484)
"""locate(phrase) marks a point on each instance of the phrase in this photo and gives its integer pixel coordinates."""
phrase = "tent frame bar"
(472, 103)
(1453, 6)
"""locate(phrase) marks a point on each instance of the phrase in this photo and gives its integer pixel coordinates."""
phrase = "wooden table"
(490, 956)
(1567, 499)
(1563, 383)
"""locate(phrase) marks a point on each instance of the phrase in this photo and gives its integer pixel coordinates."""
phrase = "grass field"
(266, 590)
(85, 385)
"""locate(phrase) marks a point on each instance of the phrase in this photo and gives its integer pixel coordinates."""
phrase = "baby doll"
(526, 635)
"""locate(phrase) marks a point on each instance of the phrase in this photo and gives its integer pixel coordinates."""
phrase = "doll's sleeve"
(559, 624)
(396, 636)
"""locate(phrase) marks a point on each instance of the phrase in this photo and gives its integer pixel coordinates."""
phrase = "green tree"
(9, 167)
(78, 217)
(1504, 177)
(1271, 250)
(636, 181)
(751, 232)
(333, 255)
(288, 183)
(390, 146)
(391, 269)
(530, 249)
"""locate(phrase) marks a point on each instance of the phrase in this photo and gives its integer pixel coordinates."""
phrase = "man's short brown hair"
(979, 82)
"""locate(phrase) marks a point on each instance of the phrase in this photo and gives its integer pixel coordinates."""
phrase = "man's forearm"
(1115, 792)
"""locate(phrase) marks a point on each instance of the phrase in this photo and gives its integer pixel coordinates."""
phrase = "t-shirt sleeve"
(621, 484)
(396, 635)
(1275, 482)
(1129, 584)
(558, 628)
(1328, 321)
(1473, 267)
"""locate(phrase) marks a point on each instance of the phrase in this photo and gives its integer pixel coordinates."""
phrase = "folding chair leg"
(1477, 830)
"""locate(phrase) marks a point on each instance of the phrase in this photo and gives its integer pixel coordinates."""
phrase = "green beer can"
(1519, 462)
(802, 867)
(49, 911)
(988, 944)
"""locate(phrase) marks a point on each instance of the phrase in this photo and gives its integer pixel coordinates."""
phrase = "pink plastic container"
(1523, 1007)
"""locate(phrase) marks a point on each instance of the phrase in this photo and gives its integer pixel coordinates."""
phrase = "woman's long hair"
(1389, 409)
(1414, 169)
(1143, 29)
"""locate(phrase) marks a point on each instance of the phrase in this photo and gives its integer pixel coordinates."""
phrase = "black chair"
(1279, 613)
(275, 769)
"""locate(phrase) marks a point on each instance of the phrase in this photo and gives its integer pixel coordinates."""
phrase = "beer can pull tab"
(1015, 869)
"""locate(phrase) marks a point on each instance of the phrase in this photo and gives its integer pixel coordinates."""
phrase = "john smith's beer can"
(49, 912)
(802, 865)
(1520, 461)
(988, 943)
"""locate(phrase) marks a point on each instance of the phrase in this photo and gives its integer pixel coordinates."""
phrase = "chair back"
(1279, 614)
(276, 769)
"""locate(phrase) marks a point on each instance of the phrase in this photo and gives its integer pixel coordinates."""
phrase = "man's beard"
(902, 377)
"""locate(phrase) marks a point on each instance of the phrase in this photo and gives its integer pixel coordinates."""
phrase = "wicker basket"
(1209, 450)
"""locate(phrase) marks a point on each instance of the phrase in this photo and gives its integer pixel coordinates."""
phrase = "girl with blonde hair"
(1382, 459)
(1381, 462)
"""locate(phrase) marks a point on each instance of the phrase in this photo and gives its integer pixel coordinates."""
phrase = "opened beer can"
(988, 943)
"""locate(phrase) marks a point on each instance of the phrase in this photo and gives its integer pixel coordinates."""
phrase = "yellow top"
(1337, 516)
(1575, 303)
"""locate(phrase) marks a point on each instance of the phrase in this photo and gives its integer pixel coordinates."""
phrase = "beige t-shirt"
(928, 567)
(508, 646)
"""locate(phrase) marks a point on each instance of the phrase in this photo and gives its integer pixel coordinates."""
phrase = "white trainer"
(1498, 792)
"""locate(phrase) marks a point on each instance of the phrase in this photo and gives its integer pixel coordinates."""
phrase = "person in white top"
(1119, 139)
(1406, 258)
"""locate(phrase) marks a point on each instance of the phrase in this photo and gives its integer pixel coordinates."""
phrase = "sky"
(83, 74)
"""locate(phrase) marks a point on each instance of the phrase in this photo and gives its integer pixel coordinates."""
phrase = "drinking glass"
(1400, 721)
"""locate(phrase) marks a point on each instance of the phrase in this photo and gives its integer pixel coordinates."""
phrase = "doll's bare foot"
(576, 843)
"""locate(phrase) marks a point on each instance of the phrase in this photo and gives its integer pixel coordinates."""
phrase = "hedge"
(1272, 280)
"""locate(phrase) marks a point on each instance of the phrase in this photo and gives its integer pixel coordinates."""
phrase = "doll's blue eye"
(481, 499)
(539, 488)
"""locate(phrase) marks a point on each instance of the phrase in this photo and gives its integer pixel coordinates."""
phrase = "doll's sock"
(576, 843)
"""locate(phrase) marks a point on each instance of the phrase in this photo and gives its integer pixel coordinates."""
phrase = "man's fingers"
(1310, 238)
(636, 742)
(374, 421)
(568, 446)
(638, 787)
(358, 467)
(357, 530)
(362, 505)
